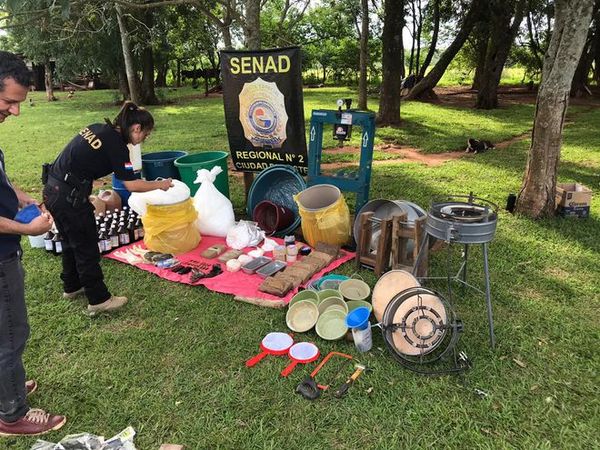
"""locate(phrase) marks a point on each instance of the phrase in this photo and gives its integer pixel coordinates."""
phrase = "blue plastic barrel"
(161, 164)
(120, 188)
(278, 184)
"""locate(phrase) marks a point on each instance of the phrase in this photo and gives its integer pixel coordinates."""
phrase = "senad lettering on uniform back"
(92, 139)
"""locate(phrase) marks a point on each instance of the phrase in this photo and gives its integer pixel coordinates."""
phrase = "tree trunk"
(579, 87)
(419, 31)
(402, 57)
(148, 96)
(252, 28)
(364, 55)
(502, 35)
(225, 28)
(127, 57)
(534, 43)
(48, 82)
(161, 74)
(482, 32)
(414, 32)
(426, 85)
(226, 33)
(571, 23)
(123, 86)
(596, 52)
(252, 31)
(178, 76)
(392, 50)
(596, 47)
(434, 38)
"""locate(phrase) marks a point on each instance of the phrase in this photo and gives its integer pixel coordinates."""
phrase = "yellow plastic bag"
(171, 228)
(330, 224)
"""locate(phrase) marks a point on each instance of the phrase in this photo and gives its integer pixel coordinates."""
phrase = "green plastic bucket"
(190, 164)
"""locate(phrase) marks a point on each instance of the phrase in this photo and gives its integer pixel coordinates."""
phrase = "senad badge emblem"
(262, 114)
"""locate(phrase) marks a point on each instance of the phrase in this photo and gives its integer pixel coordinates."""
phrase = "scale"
(342, 131)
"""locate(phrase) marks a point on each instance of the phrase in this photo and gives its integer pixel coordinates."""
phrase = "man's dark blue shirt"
(9, 205)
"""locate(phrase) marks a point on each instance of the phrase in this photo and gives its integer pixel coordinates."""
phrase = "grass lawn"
(171, 364)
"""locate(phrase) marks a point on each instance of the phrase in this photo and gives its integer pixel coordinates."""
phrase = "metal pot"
(463, 219)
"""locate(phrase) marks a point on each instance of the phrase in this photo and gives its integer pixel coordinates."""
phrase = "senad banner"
(264, 108)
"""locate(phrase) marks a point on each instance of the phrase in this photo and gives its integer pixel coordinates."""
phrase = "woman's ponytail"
(129, 115)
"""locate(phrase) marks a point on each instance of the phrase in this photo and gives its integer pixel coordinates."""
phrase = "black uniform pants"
(80, 256)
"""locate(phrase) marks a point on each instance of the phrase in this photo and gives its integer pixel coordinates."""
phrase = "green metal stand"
(352, 181)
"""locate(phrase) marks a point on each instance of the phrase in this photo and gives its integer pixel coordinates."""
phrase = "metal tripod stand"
(458, 220)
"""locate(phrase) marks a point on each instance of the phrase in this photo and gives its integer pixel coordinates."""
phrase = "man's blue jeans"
(14, 331)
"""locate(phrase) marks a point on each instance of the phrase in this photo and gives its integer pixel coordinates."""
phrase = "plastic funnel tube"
(358, 318)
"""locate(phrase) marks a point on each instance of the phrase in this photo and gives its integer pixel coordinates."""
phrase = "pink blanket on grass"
(238, 283)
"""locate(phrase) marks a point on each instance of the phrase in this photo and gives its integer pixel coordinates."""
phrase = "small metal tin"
(252, 266)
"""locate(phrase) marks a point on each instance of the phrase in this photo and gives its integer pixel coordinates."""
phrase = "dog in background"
(478, 146)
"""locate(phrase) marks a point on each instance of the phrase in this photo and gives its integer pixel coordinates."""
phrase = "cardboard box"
(573, 200)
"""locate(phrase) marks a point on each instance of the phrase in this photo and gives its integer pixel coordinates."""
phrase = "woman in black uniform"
(97, 151)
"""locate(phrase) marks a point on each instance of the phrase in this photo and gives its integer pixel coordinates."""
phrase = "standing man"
(16, 418)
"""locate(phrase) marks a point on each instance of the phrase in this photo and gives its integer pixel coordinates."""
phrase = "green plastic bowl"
(326, 293)
(331, 325)
(354, 289)
(353, 304)
(304, 295)
(302, 316)
(331, 301)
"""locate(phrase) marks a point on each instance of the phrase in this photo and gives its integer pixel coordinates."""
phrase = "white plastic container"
(363, 339)
(36, 241)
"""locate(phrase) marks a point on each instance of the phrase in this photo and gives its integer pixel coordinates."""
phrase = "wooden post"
(365, 232)
(248, 179)
(382, 260)
(398, 240)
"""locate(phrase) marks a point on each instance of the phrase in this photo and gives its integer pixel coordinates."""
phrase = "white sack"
(245, 234)
(176, 194)
(215, 211)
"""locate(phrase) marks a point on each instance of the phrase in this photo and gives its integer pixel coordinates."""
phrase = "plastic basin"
(278, 184)
(332, 325)
(332, 301)
(354, 289)
(326, 293)
(353, 304)
(304, 295)
(302, 316)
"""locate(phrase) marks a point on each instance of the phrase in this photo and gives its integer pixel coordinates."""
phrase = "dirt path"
(408, 154)
(411, 154)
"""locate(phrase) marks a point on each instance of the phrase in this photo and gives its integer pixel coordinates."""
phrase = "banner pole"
(248, 179)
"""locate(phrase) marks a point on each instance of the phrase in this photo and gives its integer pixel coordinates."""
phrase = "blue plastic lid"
(28, 213)
(358, 318)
